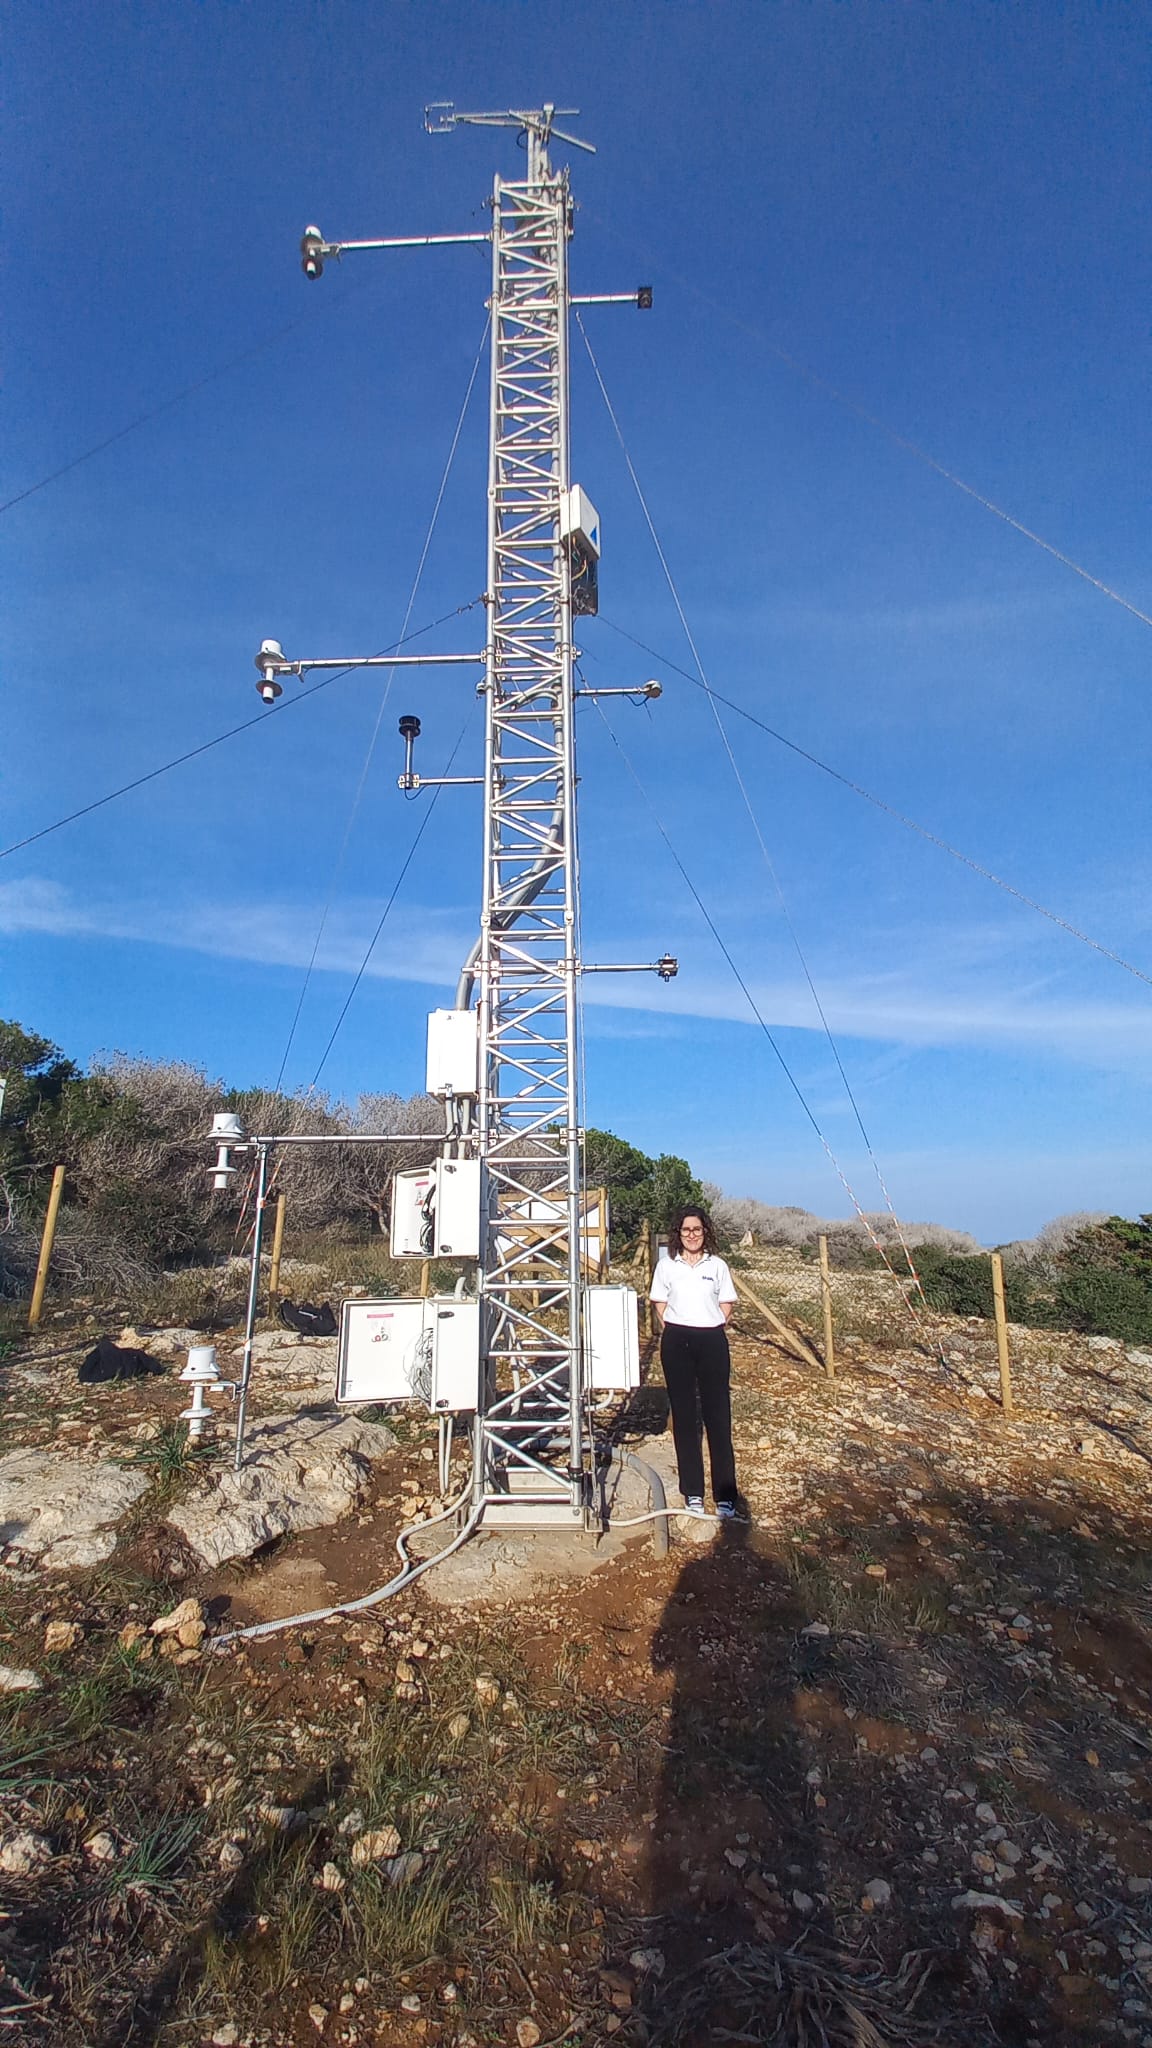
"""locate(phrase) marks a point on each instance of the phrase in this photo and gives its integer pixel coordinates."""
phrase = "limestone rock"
(185, 1622)
(22, 1855)
(527, 2033)
(986, 1902)
(372, 1847)
(101, 1848)
(14, 1678)
(400, 1870)
(300, 1472)
(61, 1510)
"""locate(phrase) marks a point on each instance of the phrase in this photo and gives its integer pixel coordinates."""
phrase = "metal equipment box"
(410, 1351)
(436, 1211)
(456, 1211)
(413, 1197)
(384, 1352)
(453, 1052)
(611, 1340)
(455, 1329)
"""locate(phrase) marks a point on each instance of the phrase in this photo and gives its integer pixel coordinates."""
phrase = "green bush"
(961, 1285)
(1107, 1302)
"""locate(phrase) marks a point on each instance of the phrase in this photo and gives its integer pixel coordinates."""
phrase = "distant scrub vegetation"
(139, 1201)
(138, 1195)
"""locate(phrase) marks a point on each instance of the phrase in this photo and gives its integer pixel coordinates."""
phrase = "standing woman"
(693, 1293)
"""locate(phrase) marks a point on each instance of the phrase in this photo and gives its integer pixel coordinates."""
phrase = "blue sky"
(941, 211)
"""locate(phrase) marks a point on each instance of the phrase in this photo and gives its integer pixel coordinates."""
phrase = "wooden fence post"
(647, 1267)
(826, 1303)
(277, 1248)
(425, 1279)
(41, 1281)
(1006, 1401)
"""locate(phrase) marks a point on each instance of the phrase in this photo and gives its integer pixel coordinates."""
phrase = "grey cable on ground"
(386, 693)
(404, 1578)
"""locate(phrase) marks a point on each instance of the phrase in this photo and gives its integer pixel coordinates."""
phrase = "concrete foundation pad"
(503, 1567)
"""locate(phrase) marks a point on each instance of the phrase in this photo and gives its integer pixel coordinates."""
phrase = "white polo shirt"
(693, 1294)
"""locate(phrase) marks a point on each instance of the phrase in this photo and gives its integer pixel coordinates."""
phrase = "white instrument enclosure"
(381, 1351)
(455, 1329)
(611, 1340)
(436, 1211)
(410, 1350)
(453, 1064)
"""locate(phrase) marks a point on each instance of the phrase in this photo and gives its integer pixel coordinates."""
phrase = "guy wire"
(727, 745)
(386, 693)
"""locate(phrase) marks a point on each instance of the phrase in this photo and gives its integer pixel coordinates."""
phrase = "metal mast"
(531, 1443)
(529, 1122)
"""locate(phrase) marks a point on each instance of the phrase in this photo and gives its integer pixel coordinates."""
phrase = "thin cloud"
(939, 998)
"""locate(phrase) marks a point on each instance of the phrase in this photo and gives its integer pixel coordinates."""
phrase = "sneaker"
(729, 1511)
(694, 1504)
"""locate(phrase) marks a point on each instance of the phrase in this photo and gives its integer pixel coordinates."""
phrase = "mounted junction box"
(453, 1066)
(413, 1199)
(580, 532)
(436, 1211)
(455, 1327)
(611, 1340)
(407, 1350)
(384, 1352)
(580, 521)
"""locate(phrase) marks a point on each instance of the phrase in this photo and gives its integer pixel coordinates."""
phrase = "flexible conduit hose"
(657, 1496)
(404, 1578)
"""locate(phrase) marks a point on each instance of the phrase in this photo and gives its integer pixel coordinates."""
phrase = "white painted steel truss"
(532, 1444)
(530, 1436)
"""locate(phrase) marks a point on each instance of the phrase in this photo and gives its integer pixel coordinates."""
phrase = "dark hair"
(680, 1216)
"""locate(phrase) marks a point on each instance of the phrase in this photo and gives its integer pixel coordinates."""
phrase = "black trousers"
(697, 1372)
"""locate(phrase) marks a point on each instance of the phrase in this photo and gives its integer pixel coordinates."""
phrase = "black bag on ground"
(111, 1361)
(307, 1320)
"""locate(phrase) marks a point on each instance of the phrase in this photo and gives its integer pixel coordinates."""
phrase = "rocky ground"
(874, 1769)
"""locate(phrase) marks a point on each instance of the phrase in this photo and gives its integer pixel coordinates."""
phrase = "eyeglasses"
(691, 1230)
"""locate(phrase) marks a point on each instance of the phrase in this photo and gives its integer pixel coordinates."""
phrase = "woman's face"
(692, 1234)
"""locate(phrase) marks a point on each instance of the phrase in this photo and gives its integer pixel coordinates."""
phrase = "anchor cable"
(740, 783)
(261, 718)
(341, 856)
(956, 853)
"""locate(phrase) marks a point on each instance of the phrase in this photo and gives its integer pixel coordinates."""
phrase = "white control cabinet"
(455, 1329)
(405, 1350)
(413, 1194)
(611, 1339)
(456, 1218)
(436, 1211)
(453, 1052)
(384, 1352)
